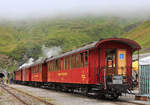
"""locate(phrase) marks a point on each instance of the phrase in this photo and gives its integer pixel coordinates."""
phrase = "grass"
(24, 39)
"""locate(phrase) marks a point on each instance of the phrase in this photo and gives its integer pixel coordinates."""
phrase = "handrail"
(128, 73)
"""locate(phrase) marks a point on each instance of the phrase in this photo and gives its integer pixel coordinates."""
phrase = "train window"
(55, 68)
(56, 65)
(33, 70)
(73, 61)
(68, 62)
(77, 60)
(52, 66)
(36, 69)
(81, 60)
(59, 64)
(86, 58)
(49, 67)
(62, 63)
(41, 68)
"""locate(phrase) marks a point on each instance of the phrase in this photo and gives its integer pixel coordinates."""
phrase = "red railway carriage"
(26, 74)
(67, 69)
(38, 72)
(106, 63)
(18, 76)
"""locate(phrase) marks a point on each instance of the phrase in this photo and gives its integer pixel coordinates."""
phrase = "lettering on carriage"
(83, 75)
(62, 74)
(36, 76)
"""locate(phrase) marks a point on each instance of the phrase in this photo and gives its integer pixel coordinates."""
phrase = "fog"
(20, 9)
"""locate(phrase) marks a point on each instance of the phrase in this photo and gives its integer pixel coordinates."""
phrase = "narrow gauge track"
(117, 102)
(23, 97)
(22, 101)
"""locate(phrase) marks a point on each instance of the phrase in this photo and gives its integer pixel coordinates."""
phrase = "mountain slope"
(141, 34)
(24, 39)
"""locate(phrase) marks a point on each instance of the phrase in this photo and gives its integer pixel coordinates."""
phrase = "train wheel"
(115, 96)
(101, 96)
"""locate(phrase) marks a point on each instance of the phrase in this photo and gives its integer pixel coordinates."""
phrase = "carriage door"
(121, 62)
(110, 65)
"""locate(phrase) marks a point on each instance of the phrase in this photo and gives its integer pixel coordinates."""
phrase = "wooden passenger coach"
(94, 63)
(18, 76)
(38, 73)
(104, 65)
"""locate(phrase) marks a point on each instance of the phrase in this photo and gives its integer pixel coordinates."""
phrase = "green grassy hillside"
(141, 34)
(24, 39)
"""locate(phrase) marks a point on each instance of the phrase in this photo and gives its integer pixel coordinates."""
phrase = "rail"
(27, 94)
(22, 101)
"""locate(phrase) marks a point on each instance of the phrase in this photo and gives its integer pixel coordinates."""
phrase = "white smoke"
(28, 63)
(53, 51)
(47, 52)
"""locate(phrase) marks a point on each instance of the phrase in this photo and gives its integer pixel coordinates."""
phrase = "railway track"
(44, 102)
(23, 97)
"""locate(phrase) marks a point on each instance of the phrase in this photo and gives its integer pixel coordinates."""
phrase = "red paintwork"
(40, 75)
(18, 75)
(26, 74)
(79, 75)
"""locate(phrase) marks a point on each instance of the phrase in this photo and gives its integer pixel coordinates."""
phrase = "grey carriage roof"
(131, 43)
(85, 47)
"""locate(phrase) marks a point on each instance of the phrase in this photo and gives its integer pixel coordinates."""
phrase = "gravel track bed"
(61, 98)
(7, 99)
(26, 98)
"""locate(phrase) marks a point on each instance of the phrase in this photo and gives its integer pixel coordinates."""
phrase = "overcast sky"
(41, 8)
